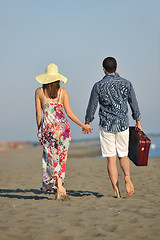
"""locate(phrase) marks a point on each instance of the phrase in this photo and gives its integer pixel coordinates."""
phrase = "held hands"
(87, 128)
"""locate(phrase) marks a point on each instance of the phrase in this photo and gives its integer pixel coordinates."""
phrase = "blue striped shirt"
(113, 94)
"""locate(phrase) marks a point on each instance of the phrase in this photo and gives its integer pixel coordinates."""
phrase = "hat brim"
(49, 78)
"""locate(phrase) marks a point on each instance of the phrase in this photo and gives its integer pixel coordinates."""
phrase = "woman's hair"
(52, 89)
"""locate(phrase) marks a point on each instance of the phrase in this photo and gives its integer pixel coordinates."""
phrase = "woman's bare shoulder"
(64, 95)
(64, 90)
(38, 91)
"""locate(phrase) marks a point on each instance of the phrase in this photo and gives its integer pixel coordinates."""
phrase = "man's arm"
(134, 107)
(92, 105)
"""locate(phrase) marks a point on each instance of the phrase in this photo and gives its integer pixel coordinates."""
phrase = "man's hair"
(110, 64)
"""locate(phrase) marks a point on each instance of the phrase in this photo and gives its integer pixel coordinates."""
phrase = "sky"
(76, 35)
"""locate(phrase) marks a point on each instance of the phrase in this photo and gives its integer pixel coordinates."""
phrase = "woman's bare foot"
(129, 186)
(61, 191)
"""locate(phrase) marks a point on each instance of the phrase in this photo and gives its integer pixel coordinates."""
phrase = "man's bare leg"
(125, 165)
(113, 174)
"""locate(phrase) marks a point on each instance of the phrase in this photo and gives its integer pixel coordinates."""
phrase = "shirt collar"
(115, 74)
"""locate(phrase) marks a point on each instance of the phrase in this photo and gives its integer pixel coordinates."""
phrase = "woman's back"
(54, 123)
(43, 96)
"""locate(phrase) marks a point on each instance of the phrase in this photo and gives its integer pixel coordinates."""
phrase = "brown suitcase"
(139, 145)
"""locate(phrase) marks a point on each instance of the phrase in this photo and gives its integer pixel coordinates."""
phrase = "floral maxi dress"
(55, 136)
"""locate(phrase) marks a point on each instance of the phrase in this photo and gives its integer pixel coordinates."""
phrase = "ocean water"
(155, 147)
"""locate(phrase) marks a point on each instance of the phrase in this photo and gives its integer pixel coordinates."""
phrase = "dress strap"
(43, 95)
(59, 97)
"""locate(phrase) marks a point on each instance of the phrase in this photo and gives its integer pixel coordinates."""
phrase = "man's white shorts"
(113, 143)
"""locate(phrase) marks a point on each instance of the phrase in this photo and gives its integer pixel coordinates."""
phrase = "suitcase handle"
(137, 129)
(140, 132)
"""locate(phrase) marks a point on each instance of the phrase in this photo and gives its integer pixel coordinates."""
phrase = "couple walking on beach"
(112, 93)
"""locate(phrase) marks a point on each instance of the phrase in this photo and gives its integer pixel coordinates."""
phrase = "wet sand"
(91, 213)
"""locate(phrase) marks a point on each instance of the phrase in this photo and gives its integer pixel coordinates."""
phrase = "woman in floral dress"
(53, 129)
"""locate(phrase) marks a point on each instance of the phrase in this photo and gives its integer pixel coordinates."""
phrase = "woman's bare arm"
(38, 108)
(70, 114)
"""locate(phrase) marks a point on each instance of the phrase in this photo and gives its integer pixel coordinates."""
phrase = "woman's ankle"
(59, 182)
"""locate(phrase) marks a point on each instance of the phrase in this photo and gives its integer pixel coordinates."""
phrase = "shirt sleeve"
(134, 104)
(92, 105)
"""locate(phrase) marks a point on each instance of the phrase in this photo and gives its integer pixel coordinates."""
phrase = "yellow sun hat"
(51, 75)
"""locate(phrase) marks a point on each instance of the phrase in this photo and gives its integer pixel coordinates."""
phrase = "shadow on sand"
(18, 193)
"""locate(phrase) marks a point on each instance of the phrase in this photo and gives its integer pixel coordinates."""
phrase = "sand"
(91, 213)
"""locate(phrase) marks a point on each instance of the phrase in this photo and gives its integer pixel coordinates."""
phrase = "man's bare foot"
(129, 186)
(61, 191)
(116, 194)
(117, 191)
